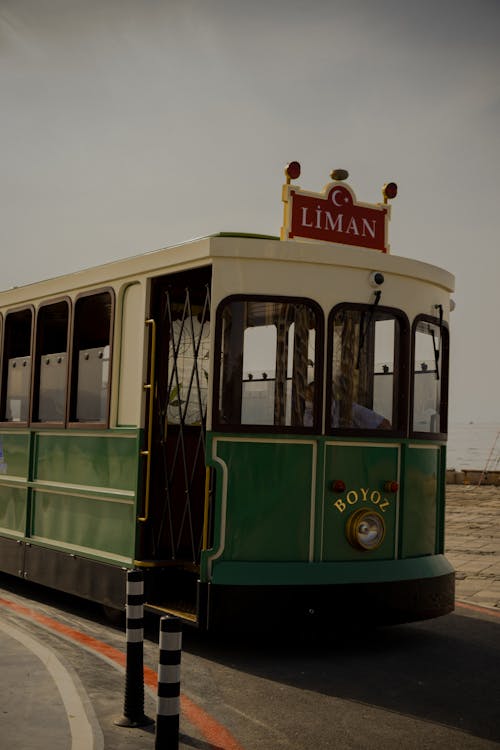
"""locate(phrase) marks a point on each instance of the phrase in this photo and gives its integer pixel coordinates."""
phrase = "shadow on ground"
(445, 670)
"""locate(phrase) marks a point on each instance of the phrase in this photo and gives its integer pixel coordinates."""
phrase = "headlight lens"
(365, 529)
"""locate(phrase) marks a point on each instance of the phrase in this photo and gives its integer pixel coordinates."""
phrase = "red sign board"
(334, 216)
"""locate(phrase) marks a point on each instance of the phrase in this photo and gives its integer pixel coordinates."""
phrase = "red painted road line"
(478, 608)
(212, 731)
(74, 635)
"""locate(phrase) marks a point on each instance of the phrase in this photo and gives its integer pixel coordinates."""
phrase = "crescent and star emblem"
(334, 200)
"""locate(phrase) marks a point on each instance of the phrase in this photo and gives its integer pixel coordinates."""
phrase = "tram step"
(165, 609)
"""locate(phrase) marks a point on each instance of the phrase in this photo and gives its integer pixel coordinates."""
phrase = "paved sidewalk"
(33, 714)
(472, 542)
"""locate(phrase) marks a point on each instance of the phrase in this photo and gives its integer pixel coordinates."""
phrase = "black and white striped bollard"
(133, 709)
(169, 684)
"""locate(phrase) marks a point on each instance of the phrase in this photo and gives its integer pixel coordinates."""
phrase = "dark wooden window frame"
(73, 366)
(5, 341)
(401, 373)
(444, 364)
(218, 425)
(35, 393)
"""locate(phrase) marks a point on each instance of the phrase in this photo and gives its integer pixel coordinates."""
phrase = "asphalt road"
(433, 684)
(427, 685)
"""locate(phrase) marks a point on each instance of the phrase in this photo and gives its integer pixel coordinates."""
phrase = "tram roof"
(235, 246)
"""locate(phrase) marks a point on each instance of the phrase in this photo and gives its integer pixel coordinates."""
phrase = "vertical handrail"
(206, 509)
(149, 387)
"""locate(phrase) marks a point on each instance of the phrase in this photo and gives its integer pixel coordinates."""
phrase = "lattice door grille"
(180, 423)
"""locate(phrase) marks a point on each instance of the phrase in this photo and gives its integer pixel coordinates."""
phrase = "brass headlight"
(365, 529)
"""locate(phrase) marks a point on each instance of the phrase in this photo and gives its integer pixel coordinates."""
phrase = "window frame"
(3, 371)
(315, 428)
(400, 384)
(72, 423)
(444, 363)
(35, 396)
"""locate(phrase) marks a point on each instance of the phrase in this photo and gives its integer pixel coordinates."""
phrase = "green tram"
(259, 425)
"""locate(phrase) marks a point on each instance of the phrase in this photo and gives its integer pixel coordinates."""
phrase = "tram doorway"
(171, 537)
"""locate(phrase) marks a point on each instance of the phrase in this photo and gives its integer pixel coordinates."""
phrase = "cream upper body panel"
(252, 255)
(113, 274)
(329, 255)
(328, 274)
(239, 249)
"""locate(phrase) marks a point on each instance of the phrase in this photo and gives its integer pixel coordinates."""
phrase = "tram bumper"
(422, 588)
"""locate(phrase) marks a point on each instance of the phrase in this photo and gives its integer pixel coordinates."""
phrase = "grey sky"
(127, 126)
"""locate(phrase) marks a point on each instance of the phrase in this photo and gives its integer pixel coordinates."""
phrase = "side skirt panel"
(89, 579)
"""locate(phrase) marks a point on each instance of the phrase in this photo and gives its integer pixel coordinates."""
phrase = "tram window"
(430, 371)
(365, 346)
(259, 368)
(16, 378)
(269, 355)
(51, 363)
(91, 358)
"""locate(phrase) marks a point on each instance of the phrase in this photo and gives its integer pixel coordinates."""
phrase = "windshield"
(430, 346)
(365, 354)
(269, 353)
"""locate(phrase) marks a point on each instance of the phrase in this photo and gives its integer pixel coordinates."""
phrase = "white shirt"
(362, 418)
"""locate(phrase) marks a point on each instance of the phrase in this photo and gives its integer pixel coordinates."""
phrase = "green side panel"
(269, 497)
(14, 453)
(422, 463)
(102, 460)
(86, 524)
(364, 469)
(13, 509)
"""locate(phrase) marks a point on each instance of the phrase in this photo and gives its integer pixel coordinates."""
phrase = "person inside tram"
(362, 418)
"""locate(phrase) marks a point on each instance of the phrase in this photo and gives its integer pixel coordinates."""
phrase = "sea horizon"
(474, 445)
